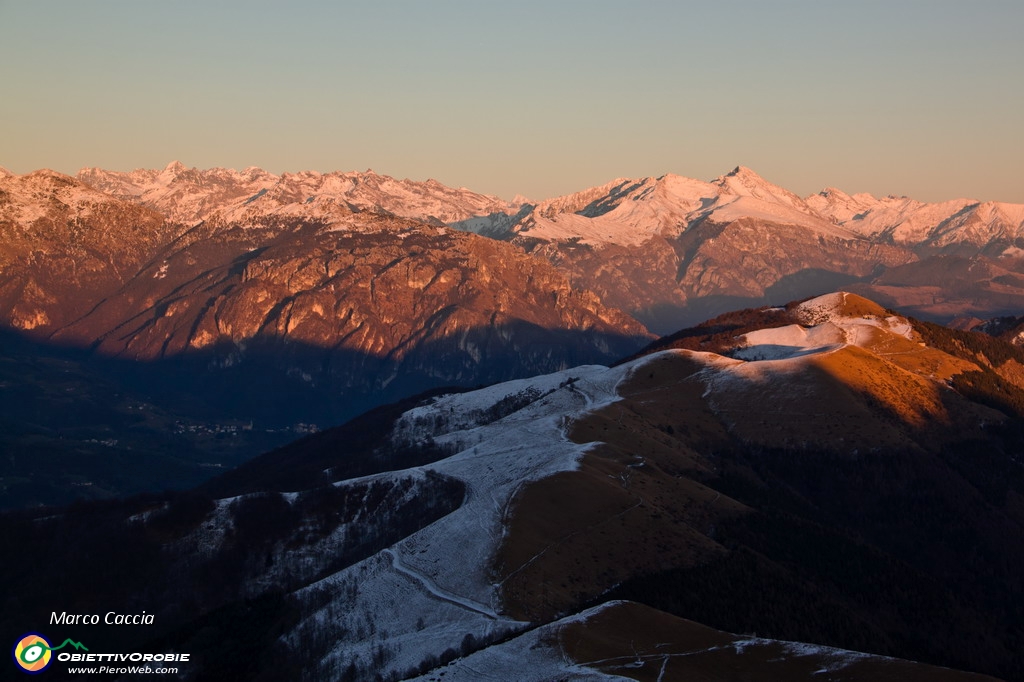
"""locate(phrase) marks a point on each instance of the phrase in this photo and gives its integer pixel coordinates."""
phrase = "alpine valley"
(382, 429)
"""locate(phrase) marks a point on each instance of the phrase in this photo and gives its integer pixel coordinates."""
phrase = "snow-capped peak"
(834, 194)
(742, 181)
(631, 211)
(175, 167)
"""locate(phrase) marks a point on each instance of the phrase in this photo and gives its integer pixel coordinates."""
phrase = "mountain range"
(671, 251)
(263, 305)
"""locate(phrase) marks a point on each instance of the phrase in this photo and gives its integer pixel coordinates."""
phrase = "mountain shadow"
(78, 425)
(668, 318)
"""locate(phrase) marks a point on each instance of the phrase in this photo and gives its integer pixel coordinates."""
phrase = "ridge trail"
(431, 587)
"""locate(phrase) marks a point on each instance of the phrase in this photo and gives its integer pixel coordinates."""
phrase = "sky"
(537, 98)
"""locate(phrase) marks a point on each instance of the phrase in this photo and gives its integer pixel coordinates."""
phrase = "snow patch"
(791, 341)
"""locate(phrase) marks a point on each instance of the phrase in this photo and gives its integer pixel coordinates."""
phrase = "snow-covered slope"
(830, 324)
(430, 591)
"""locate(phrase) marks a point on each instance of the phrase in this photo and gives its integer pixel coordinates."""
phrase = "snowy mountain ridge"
(903, 220)
(624, 211)
(669, 251)
(632, 211)
(643, 208)
(190, 195)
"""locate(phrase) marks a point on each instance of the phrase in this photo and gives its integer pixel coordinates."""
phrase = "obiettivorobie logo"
(33, 652)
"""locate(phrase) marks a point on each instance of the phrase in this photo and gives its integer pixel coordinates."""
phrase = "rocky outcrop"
(66, 246)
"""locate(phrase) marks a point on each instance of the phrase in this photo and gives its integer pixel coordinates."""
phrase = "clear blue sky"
(921, 98)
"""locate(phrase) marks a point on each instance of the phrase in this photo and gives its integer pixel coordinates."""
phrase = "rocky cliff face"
(336, 297)
(360, 305)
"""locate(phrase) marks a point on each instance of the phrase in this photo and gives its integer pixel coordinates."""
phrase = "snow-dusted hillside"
(829, 326)
(430, 591)
(625, 641)
(438, 589)
(440, 592)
